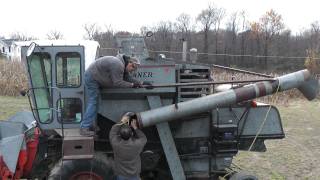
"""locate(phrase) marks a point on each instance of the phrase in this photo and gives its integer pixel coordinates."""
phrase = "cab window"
(71, 110)
(68, 69)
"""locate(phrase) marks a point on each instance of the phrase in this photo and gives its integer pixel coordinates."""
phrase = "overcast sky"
(38, 17)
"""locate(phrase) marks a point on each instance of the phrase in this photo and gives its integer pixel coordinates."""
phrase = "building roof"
(8, 41)
(3, 43)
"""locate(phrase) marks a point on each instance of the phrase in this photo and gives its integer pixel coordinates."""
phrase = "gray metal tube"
(248, 92)
(184, 50)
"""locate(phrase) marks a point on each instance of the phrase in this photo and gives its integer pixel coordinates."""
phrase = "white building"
(4, 50)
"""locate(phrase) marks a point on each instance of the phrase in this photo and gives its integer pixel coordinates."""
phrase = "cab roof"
(90, 47)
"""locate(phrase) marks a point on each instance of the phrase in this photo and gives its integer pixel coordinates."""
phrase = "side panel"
(253, 119)
(115, 101)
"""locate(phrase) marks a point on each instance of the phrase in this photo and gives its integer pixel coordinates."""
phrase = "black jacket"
(127, 161)
(109, 71)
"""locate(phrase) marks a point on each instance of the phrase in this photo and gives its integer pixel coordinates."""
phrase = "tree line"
(265, 44)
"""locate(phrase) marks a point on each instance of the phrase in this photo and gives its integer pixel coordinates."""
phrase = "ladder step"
(76, 146)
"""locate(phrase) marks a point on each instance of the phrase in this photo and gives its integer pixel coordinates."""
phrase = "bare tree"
(106, 39)
(220, 14)
(272, 25)
(315, 36)
(184, 23)
(243, 35)
(54, 35)
(21, 37)
(233, 23)
(206, 18)
(264, 32)
(232, 28)
(256, 35)
(144, 30)
(183, 28)
(91, 30)
(164, 35)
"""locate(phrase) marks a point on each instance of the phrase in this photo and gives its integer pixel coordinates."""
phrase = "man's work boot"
(94, 128)
(86, 132)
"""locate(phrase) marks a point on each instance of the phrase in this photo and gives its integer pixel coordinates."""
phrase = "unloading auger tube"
(303, 80)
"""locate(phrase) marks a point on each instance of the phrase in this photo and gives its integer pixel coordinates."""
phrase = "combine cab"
(192, 132)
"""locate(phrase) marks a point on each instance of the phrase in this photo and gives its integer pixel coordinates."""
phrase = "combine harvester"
(193, 131)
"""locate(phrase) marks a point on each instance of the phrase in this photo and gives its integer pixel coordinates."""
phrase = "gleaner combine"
(193, 131)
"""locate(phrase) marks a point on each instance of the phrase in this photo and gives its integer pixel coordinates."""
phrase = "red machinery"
(19, 140)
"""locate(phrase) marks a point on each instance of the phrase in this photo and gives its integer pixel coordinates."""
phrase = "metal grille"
(191, 75)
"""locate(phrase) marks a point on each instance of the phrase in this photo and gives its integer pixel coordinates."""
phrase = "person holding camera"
(127, 142)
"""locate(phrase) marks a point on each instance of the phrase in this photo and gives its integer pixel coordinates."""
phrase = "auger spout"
(303, 80)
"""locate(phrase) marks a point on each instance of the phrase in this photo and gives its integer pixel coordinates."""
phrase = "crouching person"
(127, 142)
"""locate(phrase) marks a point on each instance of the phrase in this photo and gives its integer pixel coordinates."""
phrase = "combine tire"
(98, 168)
(242, 175)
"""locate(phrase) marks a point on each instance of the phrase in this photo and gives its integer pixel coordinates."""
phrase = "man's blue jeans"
(127, 178)
(92, 94)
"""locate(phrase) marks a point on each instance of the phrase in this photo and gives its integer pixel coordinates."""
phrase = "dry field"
(298, 155)
(10, 105)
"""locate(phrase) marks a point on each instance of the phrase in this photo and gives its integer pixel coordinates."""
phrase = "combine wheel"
(242, 175)
(98, 168)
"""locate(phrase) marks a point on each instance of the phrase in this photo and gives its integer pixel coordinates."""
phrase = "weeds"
(13, 78)
(312, 62)
(277, 176)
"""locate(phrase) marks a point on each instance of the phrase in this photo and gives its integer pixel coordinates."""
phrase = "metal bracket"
(167, 142)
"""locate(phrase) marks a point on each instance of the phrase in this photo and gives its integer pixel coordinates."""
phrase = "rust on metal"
(262, 89)
(245, 93)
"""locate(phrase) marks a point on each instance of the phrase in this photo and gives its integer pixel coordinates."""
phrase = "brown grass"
(312, 62)
(295, 157)
(13, 78)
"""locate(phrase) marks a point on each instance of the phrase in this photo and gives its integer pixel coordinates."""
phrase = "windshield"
(132, 46)
(40, 72)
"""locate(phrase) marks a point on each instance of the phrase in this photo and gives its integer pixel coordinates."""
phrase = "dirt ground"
(295, 157)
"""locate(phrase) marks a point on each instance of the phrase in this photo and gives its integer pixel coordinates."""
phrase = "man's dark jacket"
(127, 160)
(109, 71)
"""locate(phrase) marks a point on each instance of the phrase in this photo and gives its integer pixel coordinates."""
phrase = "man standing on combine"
(127, 142)
(106, 72)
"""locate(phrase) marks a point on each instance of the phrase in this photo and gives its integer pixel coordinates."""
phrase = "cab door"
(68, 83)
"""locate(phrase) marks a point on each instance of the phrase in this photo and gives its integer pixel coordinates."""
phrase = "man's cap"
(134, 60)
(129, 114)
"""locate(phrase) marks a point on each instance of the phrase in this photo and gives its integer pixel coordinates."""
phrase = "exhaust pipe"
(303, 80)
